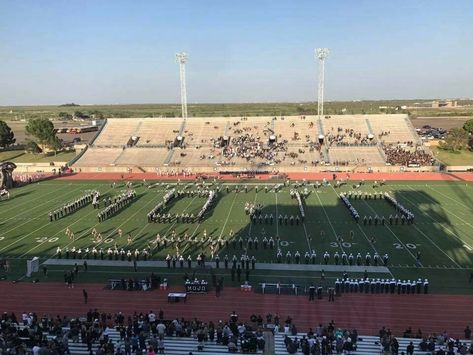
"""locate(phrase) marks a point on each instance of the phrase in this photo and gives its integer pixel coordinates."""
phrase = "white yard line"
(425, 235)
(450, 198)
(193, 233)
(394, 234)
(362, 231)
(23, 237)
(453, 214)
(433, 243)
(28, 211)
(428, 238)
(277, 214)
(330, 222)
(228, 216)
(307, 237)
(251, 221)
(28, 202)
(443, 226)
(62, 230)
(114, 230)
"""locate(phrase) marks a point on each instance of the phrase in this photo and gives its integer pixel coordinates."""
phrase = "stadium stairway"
(173, 346)
(327, 155)
(413, 131)
(137, 129)
(366, 345)
(168, 157)
(320, 126)
(183, 127)
(225, 132)
(368, 124)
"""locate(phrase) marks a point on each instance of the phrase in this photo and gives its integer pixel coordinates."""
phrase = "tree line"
(41, 132)
(459, 138)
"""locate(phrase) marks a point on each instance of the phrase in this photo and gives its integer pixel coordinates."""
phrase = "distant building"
(444, 103)
(436, 104)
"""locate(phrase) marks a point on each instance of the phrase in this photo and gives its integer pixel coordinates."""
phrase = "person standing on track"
(86, 296)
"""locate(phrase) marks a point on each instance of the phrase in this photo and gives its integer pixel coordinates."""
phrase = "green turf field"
(442, 233)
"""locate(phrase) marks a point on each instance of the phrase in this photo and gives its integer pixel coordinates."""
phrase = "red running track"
(365, 312)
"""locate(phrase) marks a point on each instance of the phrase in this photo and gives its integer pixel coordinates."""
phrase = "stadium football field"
(442, 233)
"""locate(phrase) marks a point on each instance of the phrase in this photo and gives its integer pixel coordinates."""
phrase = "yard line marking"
(276, 217)
(306, 237)
(113, 231)
(173, 224)
(450, 198)
(33, 208)
(61, 230)
(25, 236)
(251, 221)
(29, 202)
(362, 231)
(394, 234)
(228, 216)
(427, 237)
(437, 221)
(461, 219)
(330, 223)
(188, 243)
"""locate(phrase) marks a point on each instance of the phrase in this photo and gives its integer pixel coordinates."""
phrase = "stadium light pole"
(181, 58)
(321, 54)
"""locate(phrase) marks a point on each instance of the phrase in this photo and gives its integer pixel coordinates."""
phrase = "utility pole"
(181, 58)
(321, 54)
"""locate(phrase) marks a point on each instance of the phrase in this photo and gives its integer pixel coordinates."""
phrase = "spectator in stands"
(410, 349)
(397, 155)
(467, 332)
(161, 346)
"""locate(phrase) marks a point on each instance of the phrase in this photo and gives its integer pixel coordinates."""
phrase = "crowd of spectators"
(397, 155)
(439, 344)
(147, 333)
(347, 137)
(138, 333)
(21, 179)
(324, 340)
(250, 146)
(32, 334)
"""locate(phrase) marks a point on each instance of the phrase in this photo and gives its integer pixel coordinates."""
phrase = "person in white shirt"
(161, 328)
(151, 317)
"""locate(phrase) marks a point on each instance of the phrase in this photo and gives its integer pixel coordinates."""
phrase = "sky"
(119, 52)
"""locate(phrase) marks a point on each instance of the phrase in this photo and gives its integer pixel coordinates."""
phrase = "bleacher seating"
(349, 140)
(156, 131)
(396, 126)
(117, 132)
(366, 345)
(356, 155)
(99, 157)
(173, 345)
(204, 131)
(338, 125)
(142, 157)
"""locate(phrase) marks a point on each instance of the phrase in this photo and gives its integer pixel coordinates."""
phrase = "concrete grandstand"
(270, 144)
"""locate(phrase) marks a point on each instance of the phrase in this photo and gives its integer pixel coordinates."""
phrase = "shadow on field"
(21, 194)
(431, 211)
